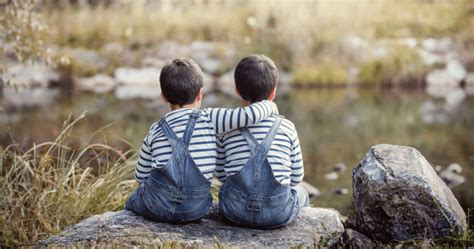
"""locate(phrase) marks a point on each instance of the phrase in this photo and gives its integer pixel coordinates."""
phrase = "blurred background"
(353, 74)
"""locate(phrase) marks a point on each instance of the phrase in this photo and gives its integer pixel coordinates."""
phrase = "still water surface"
(334, 126)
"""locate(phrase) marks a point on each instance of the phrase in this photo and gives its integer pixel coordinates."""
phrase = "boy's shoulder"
(286, 124)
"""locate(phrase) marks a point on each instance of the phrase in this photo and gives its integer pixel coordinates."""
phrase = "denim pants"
(178, 192)
(253, 197)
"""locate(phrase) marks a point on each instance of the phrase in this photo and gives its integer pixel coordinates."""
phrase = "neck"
(190, 106)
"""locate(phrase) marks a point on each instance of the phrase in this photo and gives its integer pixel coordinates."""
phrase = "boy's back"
(156, 149)
(284, 156)
(261, 165)
(178, 156)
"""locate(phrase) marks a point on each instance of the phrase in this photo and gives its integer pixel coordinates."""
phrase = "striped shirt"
(156, 149)
(284, 156)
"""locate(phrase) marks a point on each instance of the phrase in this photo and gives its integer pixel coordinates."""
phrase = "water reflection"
(336, 127)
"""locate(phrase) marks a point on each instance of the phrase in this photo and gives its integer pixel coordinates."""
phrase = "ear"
(199, 95)
(272, 94)
(164, 98)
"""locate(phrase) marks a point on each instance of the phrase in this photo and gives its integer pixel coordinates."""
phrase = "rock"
(209, 65)
(15, 99)
(440, 83)
(454, 98)
(456, 69)
(469, 84)
(138, 76)
(225, 84)
(30, 76)
(455, 168)
(153, 62)
(331, 176)
(340, 191)
(409, 42)
(430, 58)
(355, 240)
(442, 45)
(100, 83)
(438, 168)
(469, 79)
(126, 92)
(451, 178)
(398, 196)
(171, 50)
(313, 192)
(87, 60)
(127, 229)
(208, 83)
(339, 167)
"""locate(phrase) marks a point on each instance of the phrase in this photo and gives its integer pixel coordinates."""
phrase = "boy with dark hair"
(178, 156)
(261, 165)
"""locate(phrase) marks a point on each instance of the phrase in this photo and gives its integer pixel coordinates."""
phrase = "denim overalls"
(253, 197)
(177, 192)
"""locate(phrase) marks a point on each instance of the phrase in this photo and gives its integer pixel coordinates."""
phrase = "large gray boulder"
(397, 195)
(124, 228)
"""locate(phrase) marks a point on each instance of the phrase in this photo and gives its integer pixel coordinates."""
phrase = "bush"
(400, 66)
(324, 74)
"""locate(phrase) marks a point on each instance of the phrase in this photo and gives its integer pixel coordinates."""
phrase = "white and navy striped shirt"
(156, 149)
(284, 155)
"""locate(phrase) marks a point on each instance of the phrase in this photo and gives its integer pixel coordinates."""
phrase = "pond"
(334, 126)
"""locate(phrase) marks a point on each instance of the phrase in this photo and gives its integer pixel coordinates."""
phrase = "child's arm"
(297, 170)
(224, 120)
(144, 162)
(220, 163)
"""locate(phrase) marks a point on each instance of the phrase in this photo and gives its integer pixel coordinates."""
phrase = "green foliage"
(400, 65)
(324, 73)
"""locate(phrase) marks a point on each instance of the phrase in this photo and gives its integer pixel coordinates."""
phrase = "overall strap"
(188, 132)
(248, 136)
(267, 142)
(169, 133)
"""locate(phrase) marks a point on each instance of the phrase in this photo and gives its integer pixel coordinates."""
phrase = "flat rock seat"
(313, 226)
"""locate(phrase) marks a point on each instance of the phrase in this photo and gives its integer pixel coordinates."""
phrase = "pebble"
(451, 179)
(339, 167)
(455, 168)
(331, 176)
(340, 191)
(313, 192)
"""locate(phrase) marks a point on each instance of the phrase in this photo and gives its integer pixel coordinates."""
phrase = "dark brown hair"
(255, 77)
(180, 81)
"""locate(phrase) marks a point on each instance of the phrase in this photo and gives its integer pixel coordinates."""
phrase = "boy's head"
(256, 77)
(181, 82)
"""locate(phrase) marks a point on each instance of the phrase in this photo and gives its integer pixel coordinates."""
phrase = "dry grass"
(50, 186)
(291, 32)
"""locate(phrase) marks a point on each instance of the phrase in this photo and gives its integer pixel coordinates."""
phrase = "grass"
(400, 65)
(322, 74)
(56, 184)
(292, 33)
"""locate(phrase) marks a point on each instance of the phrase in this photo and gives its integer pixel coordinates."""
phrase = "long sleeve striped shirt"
(284, 156)
(156, 149)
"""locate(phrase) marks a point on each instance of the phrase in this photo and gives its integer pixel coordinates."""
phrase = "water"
(334, 126)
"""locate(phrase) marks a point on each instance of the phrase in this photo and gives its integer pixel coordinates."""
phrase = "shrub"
(325, 73)
(400, 66)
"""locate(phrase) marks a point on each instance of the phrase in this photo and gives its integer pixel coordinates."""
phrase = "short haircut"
(255, 77)
(180, 81)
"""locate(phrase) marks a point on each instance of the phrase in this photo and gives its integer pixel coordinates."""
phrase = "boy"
(261, 166)
(178, 156)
